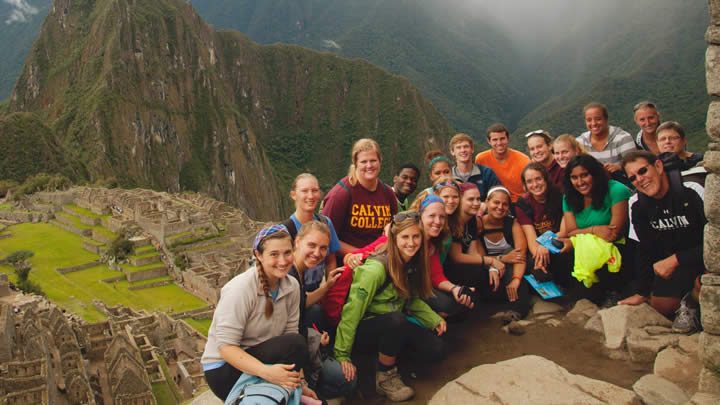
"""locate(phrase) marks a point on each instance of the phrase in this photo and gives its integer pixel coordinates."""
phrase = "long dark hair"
(553, 195)
(600, 185)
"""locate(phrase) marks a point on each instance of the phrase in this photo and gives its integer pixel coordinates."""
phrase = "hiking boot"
(389, 384)
(687, 317)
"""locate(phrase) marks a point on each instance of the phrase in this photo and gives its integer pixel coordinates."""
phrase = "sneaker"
(687, 317)
(389, 384)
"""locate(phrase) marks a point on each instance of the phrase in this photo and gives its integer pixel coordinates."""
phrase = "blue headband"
(430, 199)
(267, 231)
(437, 159)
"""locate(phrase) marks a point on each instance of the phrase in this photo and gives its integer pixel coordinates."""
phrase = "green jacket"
(364, 301)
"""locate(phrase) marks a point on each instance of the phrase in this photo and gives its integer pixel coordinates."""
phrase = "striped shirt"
(619, 143)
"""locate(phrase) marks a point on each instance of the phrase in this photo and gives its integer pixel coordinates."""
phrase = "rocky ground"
(562, 353)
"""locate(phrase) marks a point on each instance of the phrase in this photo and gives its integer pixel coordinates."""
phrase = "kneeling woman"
(255, 325)
(388, 285)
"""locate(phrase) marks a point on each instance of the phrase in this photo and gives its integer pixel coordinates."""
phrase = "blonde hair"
(362, 145)
(406, 284)
(415, 207)
(311, 226)
(261, 272)
(569, 139)
(303, 176)
(460, 138)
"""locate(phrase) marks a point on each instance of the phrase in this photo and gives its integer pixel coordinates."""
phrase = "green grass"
(55, 247)
(74, 220)
(133, 269)
(150, 281)
(144, 255)
(162, 393)
(179, 235)
(5, 207)
(210, 247)
(144, 249)
(104, 231)
(93, 242)
(201, 326)
(84, 212)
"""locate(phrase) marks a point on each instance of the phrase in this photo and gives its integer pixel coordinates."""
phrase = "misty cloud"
(20, 12)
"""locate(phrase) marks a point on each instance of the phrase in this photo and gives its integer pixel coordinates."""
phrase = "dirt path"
(479, 340)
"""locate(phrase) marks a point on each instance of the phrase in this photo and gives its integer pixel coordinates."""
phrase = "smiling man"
(667, 219)
(507, 163)
(404, 184)
(462, 149)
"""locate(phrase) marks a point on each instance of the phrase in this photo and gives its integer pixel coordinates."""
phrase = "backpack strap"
(506, 231)
(525, 206)
(292, 229)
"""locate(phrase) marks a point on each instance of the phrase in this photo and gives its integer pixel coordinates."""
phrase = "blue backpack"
(252, 390)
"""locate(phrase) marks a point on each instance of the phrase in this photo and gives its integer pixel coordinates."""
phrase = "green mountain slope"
(458, 56)
(528, 64)
(147, 93)
(643, 60)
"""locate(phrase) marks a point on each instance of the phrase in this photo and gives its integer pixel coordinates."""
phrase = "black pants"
(479, 277)
(393, 332)
(285, 349)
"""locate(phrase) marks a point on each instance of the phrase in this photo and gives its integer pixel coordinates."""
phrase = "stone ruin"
(48, 357)
(710, 292)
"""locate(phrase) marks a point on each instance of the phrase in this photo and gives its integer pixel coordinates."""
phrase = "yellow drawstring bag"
(591, 253)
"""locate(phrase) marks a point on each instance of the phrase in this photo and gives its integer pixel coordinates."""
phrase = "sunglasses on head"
(641, 172)
(644, 104)
(445, 184)
(399, 217)
(535, 132)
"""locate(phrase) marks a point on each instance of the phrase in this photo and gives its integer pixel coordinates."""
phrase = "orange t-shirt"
(508, 171)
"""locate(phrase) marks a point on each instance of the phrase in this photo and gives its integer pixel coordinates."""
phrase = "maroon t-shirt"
(359, 215)
(541, 220)
(556, 174)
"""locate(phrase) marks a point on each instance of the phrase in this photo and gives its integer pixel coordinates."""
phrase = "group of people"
(470, 238)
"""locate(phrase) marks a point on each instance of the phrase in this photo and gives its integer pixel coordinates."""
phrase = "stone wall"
(64, 270)
(146, 274)
(710, 292)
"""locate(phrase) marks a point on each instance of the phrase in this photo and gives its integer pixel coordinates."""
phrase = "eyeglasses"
(536, 132)
(644, 104)
(641, 172)
(401, 216)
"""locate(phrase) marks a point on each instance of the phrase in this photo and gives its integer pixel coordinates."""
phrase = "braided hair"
(261, 272)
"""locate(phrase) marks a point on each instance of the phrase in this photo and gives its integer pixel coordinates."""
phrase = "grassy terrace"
(179, 235)
(133, 269)
(151, 280)
(199, 249)
(144, 249)
(75, 220)
(85, 212)
(5, 207)
(202, 326)
(55, 247)
(144, 255)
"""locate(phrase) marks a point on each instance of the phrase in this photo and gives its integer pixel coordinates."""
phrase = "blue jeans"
(332, 383)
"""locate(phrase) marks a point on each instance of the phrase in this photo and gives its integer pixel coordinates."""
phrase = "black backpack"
(290, 224)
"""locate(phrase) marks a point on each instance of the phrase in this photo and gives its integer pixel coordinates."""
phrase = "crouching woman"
(385, 307)
(255, 325)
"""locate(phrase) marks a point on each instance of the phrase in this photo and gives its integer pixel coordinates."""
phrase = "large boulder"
(527, 380)
(656, 390)
(680, 367)
(643, 347)
(621, 318)
(583, 310)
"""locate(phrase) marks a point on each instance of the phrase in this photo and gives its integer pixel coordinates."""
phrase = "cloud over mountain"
(20, 12)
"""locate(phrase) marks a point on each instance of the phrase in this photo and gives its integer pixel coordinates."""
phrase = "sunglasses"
(641, 172)
(399, 217)
(445, 184)
(536, 132)
(644, 104)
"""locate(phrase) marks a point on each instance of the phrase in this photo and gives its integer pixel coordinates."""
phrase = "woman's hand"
(611, 167)
(497, 264)
(567, 245)
(441, 328)
(542, 258)
(307, 391)
(348, 369)
(511, 290)
(333, 277)
(494, 279)
(606, 232)
(353, 260)
(282, 375)
(462, 299)
(515, 256)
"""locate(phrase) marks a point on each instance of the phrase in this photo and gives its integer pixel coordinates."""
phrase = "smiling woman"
(360, 205)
